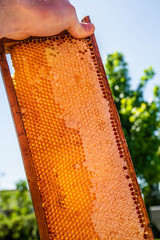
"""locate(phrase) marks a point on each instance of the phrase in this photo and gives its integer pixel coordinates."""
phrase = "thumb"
(80, 30)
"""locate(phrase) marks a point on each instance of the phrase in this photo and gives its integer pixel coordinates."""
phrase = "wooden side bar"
(23, 142)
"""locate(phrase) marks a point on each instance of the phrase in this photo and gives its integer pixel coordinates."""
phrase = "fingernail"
(89, 27)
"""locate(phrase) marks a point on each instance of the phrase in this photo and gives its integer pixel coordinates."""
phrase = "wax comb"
(80, 174)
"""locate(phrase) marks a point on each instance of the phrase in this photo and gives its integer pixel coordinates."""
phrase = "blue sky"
(131, 27)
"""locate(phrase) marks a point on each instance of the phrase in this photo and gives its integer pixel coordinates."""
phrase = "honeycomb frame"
(18, 113)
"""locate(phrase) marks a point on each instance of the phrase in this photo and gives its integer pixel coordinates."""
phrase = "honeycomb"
(79, 158)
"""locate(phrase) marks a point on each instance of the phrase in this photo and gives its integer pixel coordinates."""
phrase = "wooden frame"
(5, 45)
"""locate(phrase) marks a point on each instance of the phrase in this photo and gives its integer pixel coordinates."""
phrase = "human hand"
(27, 18)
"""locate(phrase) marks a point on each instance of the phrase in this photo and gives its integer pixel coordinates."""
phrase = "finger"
(17, 36)
(80, 30)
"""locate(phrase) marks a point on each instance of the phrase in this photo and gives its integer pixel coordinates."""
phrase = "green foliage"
(141, 123)
(16, 214)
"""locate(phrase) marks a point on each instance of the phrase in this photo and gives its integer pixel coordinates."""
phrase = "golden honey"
(84, 178)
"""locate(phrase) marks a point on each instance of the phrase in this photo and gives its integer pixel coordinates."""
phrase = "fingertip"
(88, 27)
(81, 30)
